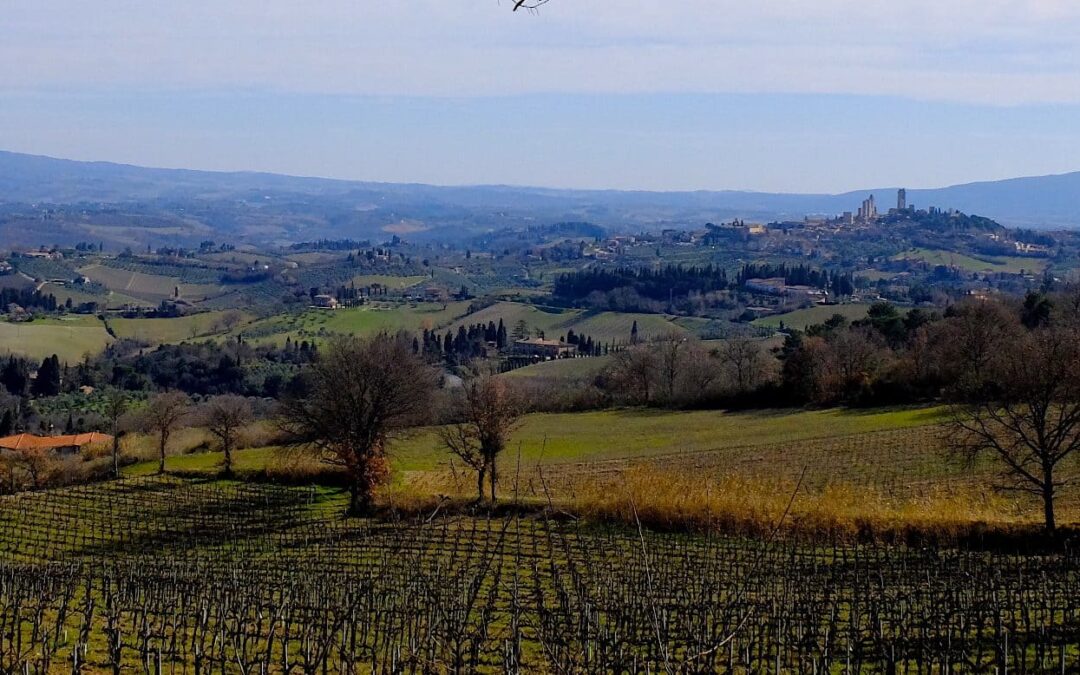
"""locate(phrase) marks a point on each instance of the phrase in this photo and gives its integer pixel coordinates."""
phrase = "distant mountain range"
(243, 203)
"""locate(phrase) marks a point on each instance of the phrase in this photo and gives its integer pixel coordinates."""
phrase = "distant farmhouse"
(325, 301)
(548, 349)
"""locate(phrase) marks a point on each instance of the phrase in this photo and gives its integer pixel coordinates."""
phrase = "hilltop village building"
(868, 212)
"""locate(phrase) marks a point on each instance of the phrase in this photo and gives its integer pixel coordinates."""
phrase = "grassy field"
(365, 320)
(70, 338)
(1008, 264)
(555, 322)
(391, 282)
(63, 293)
(801, 318)
(147, 287)
(177, 329)
(622, 434)
(567, 370)
(882, 474)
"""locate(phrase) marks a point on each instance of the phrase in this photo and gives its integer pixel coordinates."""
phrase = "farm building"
(551, 349)
(326, 301)
(65, 445)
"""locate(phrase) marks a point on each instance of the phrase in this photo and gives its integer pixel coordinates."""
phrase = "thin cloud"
(1000, 52)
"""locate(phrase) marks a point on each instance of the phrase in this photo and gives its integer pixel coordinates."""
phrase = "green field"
(177, 329)
(365, 320)
(619, 434)
(1007, 264)
(147, 287)
(801, 318)
(70, 338)
(567, 370)
(555, 322)
(63, 293)
(391, 282)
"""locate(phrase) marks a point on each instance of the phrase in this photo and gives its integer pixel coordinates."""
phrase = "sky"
(775, 95)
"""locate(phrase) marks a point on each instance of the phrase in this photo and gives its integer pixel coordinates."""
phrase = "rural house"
(64, 445)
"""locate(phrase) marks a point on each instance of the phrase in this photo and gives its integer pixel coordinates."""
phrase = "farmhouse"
(551, 349)
(65, 445)
(325, 301)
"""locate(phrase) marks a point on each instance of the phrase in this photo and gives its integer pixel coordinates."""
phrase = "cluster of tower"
(868, 210)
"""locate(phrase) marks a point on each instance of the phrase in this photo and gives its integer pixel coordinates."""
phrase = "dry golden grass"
(877, 486)
(141, 447)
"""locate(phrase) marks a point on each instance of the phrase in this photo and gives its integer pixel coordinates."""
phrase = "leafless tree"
(1020, 404)
(745, 360)
(671, 352)
(116, 404)
(484, 413)
(634, 371)
(225, 417)
(163, 415)
(529, 5)
(854, 357)
(360, 394)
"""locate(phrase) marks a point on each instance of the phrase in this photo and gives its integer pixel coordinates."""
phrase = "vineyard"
(164, 575)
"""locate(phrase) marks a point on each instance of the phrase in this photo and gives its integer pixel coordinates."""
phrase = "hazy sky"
(825, 95)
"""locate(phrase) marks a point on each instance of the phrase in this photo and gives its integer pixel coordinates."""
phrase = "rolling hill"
(180, 205)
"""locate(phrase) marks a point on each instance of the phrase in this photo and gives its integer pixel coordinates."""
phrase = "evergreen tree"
(48, 378)
(14, 377)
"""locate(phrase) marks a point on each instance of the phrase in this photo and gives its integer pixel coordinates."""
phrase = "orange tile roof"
(32, 442)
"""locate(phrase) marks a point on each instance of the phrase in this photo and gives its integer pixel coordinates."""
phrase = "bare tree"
(116, 405)
(671, 351)
(634, 371)
(163, 415)
(1020, 404)
(39, 465)
(529, 5)
(745, 361)
(854, 357)
(360, 394)
(224, 417)
(484, 414)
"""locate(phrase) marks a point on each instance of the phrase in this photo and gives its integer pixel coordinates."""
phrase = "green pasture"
(555, 322)
(69, 337)
(387, 281)
(367, 319)
(611, 434)
(801, 318)
(147, 287)
(177, 329)
(1007, 264)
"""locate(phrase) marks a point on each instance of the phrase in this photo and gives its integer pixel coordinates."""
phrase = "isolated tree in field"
(115, 406)
(163, 415)
(1021, 406)
(225, 417)
(359, 394)
(483, 414)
